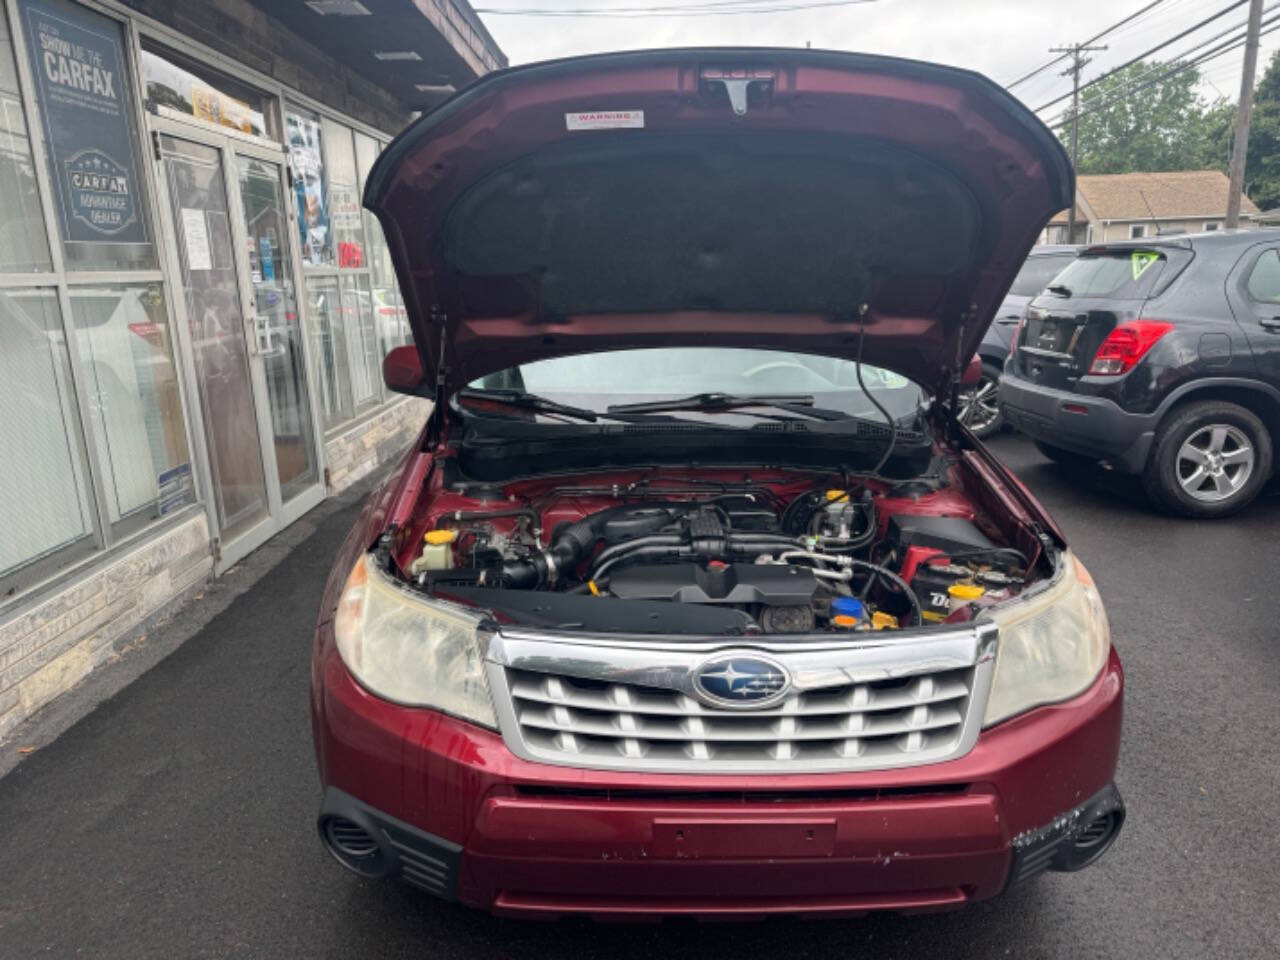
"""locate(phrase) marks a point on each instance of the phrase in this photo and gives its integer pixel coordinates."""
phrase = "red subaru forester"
(693, 597)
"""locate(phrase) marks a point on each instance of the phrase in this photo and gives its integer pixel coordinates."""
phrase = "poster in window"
(308, 183)
(81, 83)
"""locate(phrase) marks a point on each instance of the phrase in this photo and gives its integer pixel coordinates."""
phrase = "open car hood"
(784, 199)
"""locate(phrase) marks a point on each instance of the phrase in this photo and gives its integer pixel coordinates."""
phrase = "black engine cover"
(727, 583)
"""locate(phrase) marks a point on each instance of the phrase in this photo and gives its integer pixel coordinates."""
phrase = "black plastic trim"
(1053, 846)
(419, 858)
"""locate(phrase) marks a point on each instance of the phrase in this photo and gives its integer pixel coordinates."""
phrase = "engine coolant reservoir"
(437, 552)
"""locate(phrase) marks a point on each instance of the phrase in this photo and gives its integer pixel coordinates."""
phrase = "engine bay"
(710, 552)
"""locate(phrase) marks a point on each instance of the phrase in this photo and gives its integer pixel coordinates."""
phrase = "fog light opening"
(353, 846)
(1090, 842)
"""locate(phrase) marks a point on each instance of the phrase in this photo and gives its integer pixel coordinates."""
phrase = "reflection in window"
(45, 505)
(344, 347)
(306, 158)
(1264, 279)
(23, 246)
(361, 340)
(332, 381)
(176, 83)
(392, 320)
(126, 350)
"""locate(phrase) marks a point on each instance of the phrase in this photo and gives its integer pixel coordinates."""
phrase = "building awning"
(419, 51)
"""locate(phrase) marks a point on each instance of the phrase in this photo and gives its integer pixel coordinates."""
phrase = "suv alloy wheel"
(1210, 459)
(980, 404)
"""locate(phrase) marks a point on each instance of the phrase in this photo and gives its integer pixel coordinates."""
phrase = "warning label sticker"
(604, 120)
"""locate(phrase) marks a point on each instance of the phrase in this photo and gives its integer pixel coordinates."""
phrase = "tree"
(1128, 123)
(1262, 171)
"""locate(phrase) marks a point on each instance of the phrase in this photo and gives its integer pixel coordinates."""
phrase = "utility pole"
(1077, 53)
(1244, 112)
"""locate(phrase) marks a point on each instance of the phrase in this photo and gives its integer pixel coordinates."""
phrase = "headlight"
(414, 652)
(1051, 647)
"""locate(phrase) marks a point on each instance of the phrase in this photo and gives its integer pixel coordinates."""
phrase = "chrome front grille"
(852, 707)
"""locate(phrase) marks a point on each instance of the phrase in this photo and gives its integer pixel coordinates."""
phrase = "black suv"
(1161, 357)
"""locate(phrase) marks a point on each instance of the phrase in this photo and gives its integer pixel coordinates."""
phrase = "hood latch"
(737, 83)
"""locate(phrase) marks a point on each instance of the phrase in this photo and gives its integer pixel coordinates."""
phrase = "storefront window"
(135, 411)
(83, 91)
(178, 83)
(306, 157)
(23, 246)
(361, 339)
(344, 196)
(332, 381)
(392, 320)
(46, 504)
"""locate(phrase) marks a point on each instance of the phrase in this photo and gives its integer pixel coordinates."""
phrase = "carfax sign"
(81, 80)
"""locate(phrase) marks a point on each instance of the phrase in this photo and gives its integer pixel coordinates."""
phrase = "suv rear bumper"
(1092, 426)
(454, 812)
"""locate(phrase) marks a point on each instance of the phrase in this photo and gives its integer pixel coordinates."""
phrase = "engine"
(731, 564)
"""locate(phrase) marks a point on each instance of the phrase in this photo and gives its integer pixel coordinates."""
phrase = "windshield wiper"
(1059, 289)
(529, 401)
(797, 403)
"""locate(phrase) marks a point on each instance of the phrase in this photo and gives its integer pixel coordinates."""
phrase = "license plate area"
(692, 839)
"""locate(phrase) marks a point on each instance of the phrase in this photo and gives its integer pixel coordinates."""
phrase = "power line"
(1115, 26)
(1233, 44)
(724, 8)
(1156, 49)
(1152, 68)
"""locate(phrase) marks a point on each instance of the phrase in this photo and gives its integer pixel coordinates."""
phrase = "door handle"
(1008, 320)
(1270, 324)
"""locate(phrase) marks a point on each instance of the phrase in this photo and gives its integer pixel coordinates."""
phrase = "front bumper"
(1084, 424)
(452, 810)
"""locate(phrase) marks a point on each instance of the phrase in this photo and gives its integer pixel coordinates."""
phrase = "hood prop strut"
(435, 426)
(959, 364)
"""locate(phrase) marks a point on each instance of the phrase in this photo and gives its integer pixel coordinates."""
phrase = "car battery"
(933, 588)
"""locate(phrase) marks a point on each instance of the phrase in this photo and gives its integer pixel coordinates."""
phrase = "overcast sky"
(1001, 38)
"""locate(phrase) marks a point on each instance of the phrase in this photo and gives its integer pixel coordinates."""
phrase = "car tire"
(1210, 459)
(1066, 458)
(980, 405)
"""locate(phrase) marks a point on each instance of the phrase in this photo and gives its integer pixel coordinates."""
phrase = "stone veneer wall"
(49, 648)
(375, 442)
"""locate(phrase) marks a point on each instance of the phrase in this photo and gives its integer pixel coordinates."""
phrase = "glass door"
(233, 231)
(274, 302)
(216, 327)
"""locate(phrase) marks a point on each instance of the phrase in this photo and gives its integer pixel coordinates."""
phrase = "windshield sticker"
(605, 120)
(1141, 260)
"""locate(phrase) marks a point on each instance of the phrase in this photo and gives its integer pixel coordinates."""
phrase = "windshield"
(600, 380)
(1037, 272)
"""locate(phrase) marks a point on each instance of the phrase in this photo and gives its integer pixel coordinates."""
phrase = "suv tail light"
(1126, 345)
(1017, 333)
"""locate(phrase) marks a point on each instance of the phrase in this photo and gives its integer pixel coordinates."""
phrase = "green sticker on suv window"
(1141, 260)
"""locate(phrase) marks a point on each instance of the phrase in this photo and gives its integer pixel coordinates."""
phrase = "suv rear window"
(1126, 274)
(1037, 272)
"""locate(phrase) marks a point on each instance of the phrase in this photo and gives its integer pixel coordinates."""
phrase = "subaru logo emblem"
(743, 681)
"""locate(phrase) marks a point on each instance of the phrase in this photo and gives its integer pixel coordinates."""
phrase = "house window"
(1137, 231)
(1211, 226)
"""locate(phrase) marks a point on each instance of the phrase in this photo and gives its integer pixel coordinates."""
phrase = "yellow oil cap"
(834, 495)
(882, 621)
(436, 537)
(844, 620)
(966, 591)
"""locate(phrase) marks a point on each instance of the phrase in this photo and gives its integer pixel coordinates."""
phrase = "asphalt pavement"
(176, 819)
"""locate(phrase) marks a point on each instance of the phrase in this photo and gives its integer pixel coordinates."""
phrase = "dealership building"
(194, 306)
